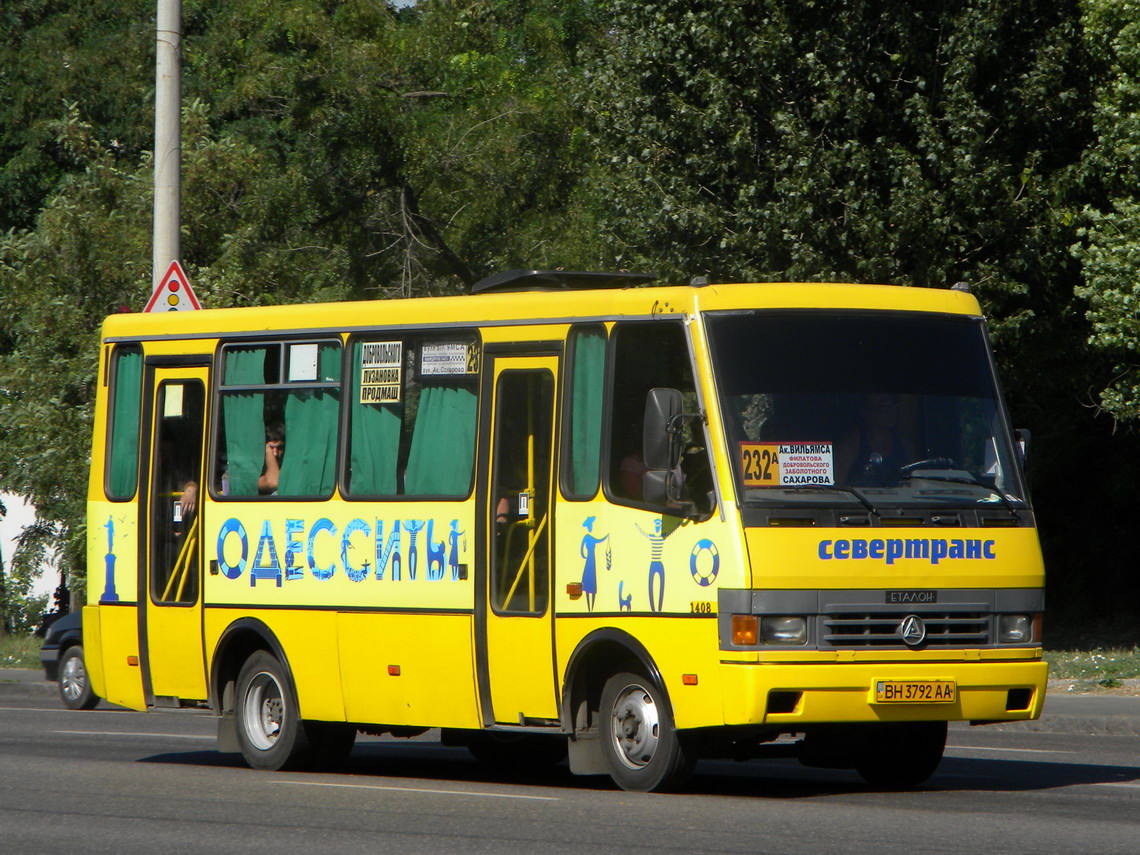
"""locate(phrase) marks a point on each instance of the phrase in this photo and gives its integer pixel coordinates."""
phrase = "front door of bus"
(518, 681)
(170, 628)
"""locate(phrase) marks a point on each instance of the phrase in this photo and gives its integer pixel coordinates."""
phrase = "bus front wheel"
(901, 754)
(269, 726)
(642, 748)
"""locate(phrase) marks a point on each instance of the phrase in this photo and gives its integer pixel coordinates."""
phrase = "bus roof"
(558, 305)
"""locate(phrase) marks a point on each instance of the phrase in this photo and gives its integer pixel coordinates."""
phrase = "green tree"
(904, 143)
(1110, 249)
(390, 153)
(94, 57)
(85, 258)
(329, 151)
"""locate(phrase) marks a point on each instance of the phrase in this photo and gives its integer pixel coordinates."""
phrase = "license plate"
(915, 692)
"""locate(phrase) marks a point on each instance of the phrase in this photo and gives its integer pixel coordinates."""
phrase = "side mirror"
(658, 487)
(660, 438)
(1023, 438)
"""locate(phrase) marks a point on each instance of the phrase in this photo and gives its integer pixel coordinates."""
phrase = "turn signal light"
(745, 630)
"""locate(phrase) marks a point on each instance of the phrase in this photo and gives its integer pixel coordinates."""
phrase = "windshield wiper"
(816, 488)
(955, 478)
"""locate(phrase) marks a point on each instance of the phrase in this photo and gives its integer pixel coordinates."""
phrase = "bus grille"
(882, 630)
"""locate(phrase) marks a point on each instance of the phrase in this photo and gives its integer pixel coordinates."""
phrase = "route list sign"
(380, 365)
(783, 464)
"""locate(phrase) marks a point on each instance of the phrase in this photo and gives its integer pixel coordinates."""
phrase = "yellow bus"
(569, 513)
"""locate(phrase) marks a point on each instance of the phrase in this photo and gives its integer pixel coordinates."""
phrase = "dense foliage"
(360, 149)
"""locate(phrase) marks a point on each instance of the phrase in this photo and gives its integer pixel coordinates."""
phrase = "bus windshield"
(864, 408)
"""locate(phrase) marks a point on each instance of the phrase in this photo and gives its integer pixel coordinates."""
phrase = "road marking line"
(131, 733)
(1111, 784)
(1013, 750)
(421, 790)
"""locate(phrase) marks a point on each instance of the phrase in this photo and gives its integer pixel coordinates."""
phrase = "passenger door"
(516, 673)
(170, 584)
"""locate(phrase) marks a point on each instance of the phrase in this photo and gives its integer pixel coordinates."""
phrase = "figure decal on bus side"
(453, 538)
(656, 567)
(110, 595)
(625, 601)
(437, 553)
(590, 568)
(412, 527)
(391, 549)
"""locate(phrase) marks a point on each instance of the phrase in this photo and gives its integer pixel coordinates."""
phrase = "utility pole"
(167, 139)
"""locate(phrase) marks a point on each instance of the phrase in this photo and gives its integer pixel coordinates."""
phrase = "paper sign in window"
(783, 464)
(381, 363)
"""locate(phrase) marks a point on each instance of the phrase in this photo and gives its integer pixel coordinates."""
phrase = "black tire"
(517, 751)
(269, 727)
(642, 748)
(74, 684)
(901, 754)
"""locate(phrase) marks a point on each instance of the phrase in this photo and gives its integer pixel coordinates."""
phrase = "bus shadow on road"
(772, 779)
(788, 780)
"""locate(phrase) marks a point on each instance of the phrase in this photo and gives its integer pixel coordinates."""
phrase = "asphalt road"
(116, 781)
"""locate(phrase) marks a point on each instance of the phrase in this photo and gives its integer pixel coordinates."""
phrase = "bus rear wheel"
(642, 748)
(269, 726)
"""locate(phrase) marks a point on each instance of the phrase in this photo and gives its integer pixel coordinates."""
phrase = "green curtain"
(443, 443)
(588, 375)
(375, 442)
(309, 465)
(123, 476)
(243, 414)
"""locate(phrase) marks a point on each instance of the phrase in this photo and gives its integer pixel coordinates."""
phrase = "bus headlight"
(1015, 629)
(783, 630)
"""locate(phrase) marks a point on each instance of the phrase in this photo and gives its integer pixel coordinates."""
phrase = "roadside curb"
(21, 683)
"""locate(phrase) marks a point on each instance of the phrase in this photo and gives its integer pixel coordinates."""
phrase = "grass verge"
(20, 651)
(1105, 667)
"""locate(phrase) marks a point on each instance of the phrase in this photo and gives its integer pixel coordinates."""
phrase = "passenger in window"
(631, 468)
(631, 475)
(875, 449)
(179, 458)
(274, 455)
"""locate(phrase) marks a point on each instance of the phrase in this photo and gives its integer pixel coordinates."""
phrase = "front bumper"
(791, 695)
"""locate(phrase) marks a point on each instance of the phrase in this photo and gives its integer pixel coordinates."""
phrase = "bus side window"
(584, 406)
(649, 355)
(413, 404)
(280, 392)
(122, 473)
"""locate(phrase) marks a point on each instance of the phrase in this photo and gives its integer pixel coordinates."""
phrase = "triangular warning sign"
(173, 293)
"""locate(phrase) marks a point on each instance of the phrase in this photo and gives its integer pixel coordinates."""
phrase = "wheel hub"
(265, 711)
(71, 679)
(635, 727)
